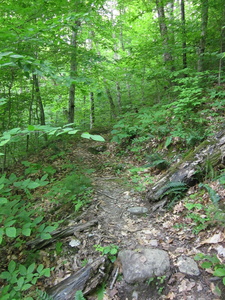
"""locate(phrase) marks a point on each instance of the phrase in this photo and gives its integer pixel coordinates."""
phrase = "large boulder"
(142, 265)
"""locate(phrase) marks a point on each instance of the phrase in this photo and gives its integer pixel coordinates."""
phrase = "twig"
(106, 195)
(114, 278)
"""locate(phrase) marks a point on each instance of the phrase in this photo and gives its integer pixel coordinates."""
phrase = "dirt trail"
(119, 227)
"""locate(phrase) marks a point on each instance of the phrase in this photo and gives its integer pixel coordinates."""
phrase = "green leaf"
(86, 135)
(20, 282)
(16, 56)
(45, 236)
(220, 272)
(113, 251)
(97, 138)
(10, 232)
(33, 185)
(49, 229)
(5, 275)
(2, 143)
(22, 270)
(3, 201)
(9, 223)
(26, 287)
(73, 131)
(206, 265)
(26, 231)
(11, 266)
(40, 268)
(46, 272)
(31, 268)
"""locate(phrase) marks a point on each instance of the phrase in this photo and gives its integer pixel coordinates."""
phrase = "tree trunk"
(191, 169)
(118, 96)
(73, 72)
(202, 44)
(39, 99)
(167, 57)
(184, 43)
(111, 102)
(92, 110)
(222, 46)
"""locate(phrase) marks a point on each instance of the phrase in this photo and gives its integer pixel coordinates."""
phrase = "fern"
(214, 197)
(174, 188)
(79, 295)
(42, 295)
(156, 160)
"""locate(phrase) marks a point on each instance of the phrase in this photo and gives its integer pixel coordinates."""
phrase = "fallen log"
(191, 169)
(60, 233)
(85, 280)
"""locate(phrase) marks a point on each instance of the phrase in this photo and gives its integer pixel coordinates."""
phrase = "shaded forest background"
(151, 68)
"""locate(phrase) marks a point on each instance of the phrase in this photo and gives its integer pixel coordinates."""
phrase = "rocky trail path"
(134, 231)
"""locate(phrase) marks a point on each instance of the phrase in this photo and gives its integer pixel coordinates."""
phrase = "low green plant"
(20, 278)
(139, 181)
(75, 188)
(214, 197)
(156, 160)
(174, 190)
(110, 251)
(159, 282)
(212, 262)
(84, 262)
(79, 296)
(42, 295)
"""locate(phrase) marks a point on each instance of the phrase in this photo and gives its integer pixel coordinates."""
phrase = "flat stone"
(137, 210)
(187, 266)
(139, 266)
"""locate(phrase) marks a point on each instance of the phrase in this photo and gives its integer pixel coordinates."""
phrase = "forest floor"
(115, 191)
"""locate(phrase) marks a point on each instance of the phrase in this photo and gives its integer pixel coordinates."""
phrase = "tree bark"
(192, 168)
(202, 44)
(39, 99)
(60, 233)
(85, 280)
(167, 57)
(92, 110)
(222, 46)
(111, 102)
(184, 43)
(73, 72)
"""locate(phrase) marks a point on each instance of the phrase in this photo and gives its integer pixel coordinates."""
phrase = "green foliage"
(58, 247)
(42, 295)
(110, 251)
(156, 160)
(212, 262)
(174, 190)
(79, 296)
(17, 216)
(74, 188)
(215, 198)
(203, 216)
(100, 292)
(139, 181)
(19, 219)
(159, 283)
(20, 278)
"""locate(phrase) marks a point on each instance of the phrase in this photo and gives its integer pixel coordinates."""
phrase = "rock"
(137, 210)
(188, 266)
(142, 265)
